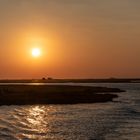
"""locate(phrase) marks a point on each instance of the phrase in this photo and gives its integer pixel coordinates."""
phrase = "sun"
(36, 52)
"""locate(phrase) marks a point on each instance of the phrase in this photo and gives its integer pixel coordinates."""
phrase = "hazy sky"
(79, 38)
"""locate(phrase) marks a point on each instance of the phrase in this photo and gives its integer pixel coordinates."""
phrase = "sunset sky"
(77, 38)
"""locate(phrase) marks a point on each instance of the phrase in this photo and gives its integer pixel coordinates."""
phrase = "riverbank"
(54, 94)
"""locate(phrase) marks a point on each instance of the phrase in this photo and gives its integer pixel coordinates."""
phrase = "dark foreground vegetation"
(27, 95)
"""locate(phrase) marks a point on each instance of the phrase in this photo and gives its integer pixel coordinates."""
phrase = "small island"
(55, 94)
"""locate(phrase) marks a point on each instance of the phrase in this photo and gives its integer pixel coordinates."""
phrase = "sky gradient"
(78, 38)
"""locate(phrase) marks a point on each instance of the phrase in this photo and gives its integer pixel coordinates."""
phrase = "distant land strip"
(51, 80)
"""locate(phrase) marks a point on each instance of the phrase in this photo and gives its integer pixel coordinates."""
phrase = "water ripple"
(101, 121)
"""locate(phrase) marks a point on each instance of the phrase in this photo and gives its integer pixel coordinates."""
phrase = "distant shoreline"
(55, 94)
(51, 80)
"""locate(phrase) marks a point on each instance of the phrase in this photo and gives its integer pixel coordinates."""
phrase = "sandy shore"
(52, 94)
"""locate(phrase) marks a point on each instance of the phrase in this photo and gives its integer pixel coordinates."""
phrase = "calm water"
(118, 120)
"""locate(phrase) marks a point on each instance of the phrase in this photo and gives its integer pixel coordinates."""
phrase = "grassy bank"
(52, 94)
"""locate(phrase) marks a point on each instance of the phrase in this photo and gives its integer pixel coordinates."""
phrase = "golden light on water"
(37, 120)
(37, 115)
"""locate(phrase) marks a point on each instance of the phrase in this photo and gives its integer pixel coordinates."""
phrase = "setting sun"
(36, 52)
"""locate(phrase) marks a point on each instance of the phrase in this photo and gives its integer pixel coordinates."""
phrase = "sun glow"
(36, 52)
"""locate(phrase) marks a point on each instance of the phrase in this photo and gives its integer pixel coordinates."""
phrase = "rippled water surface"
(119, 120)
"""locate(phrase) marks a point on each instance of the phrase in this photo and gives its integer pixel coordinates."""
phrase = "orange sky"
(78, 38)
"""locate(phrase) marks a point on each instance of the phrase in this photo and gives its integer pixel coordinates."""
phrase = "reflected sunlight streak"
(36, 117)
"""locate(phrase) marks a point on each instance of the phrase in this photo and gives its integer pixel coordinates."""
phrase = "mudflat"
(55, 94)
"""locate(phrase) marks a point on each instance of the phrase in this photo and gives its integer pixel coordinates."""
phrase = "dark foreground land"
(52, 94)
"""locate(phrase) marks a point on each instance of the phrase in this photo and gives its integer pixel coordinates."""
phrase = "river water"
(118, 120)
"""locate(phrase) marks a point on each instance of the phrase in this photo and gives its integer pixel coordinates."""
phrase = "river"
(118, 120)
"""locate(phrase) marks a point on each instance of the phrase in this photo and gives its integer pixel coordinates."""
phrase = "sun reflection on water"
(37, 118)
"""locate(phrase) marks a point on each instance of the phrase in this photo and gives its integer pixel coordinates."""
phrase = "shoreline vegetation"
(55, 94)
(51, 80)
